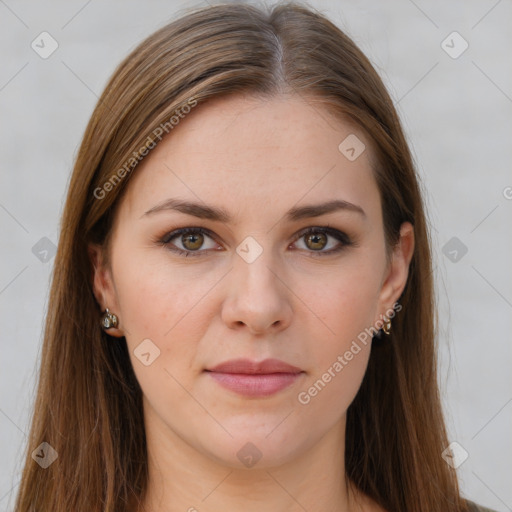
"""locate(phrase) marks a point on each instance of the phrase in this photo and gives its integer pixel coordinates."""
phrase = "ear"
(398, 269)
(103, 286)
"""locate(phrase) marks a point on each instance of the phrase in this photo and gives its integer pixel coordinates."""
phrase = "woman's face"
(267, 277)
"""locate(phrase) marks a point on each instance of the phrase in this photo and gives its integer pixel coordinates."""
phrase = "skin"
(249, 156)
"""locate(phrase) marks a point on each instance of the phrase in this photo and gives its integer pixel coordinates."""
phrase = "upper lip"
(254, 367)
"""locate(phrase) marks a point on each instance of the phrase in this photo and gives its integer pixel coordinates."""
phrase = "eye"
(315, 240)
(191, 240)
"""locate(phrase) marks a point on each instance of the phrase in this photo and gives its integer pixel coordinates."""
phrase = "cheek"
(169, 306)
(338, 357)
(155, 296)
(339, 346)
(344, 304)
(334, 383)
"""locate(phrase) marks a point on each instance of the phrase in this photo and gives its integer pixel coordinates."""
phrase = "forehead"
(245, 151)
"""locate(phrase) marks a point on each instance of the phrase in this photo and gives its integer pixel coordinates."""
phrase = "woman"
(200, 357)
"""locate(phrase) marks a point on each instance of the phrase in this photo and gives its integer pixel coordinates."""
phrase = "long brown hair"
(89, 404)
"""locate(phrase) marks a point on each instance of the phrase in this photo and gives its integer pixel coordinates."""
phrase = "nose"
(258, 299)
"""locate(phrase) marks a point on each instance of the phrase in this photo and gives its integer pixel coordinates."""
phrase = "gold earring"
(387, 326)
(109, 320)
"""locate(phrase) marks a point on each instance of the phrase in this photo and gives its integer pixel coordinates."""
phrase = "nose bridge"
(258, 298)
(255, 266)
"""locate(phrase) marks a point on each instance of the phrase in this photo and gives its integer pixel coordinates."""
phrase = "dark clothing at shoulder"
(474, 507)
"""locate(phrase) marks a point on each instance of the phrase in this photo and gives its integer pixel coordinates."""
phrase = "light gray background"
(458, 117)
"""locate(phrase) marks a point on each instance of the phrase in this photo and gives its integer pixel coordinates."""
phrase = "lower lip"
(255, 384)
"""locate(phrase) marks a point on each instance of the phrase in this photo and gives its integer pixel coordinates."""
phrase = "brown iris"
(316, 239)
(196, 241)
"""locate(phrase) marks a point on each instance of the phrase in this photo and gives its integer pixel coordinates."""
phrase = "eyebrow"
(204, 211)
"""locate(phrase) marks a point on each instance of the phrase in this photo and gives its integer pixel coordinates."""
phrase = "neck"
(182, 478)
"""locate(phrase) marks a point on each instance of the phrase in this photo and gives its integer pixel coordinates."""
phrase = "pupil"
(193, 239)
(315, 239)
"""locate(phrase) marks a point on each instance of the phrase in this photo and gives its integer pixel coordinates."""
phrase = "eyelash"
(327, 230)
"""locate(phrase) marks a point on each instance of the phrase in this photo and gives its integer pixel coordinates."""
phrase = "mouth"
(255, 379)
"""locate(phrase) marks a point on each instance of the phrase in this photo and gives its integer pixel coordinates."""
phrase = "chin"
(257, 447)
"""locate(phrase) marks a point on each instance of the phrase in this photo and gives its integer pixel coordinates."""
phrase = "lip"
(252, 378)
(253, 367)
